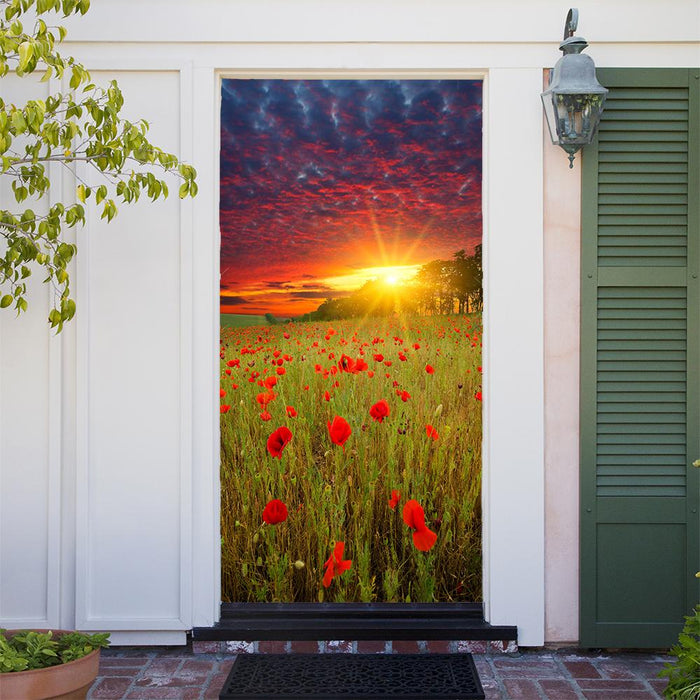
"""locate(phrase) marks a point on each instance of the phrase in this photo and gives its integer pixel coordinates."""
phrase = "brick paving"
(537, 674)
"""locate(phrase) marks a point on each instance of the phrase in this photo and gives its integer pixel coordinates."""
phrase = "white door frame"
(513, 377)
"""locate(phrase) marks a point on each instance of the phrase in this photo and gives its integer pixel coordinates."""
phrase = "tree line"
(440, 287)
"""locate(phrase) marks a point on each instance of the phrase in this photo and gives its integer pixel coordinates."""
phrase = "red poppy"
(429, 369)
(286, 335)
(394, 500)
(378, 357)
(431, 432)
(266, 416)
(339, 430)
(405, 396)
(277, 441)
(416, 346)
(234, 386)
(326, 396)
(228, 372)
(360, 365)
(270, 382)
(379, 411)
(370, 374)
(264, 397)
(291, 412)
(274, 512)
(222, 393)
(225, 408)
(281, 371)
(477, 396)
(346, 364)
(414, 517)
(335, 565)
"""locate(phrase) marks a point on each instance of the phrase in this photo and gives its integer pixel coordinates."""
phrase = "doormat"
(339, 676)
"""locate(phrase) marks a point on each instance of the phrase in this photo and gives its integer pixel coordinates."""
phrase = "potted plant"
(42, 664)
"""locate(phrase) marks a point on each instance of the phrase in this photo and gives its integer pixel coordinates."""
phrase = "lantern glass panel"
(577, 117)
(548, 101)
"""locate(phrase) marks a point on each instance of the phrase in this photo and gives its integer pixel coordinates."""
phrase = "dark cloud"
(232, 301)
(320, 294)
(317, 287)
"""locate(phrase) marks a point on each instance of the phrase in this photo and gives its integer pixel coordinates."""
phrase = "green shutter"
(640, 335)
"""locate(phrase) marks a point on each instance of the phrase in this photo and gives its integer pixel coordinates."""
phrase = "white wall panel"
(29, 441)
(134, 518)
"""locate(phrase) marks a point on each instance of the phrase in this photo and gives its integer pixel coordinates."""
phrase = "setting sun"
(389, 274)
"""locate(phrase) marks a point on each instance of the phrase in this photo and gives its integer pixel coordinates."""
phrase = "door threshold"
(365, 621)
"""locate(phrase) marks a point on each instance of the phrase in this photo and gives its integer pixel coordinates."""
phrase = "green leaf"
(26, 53)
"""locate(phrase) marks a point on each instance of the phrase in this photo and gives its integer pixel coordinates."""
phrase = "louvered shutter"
(640, 331)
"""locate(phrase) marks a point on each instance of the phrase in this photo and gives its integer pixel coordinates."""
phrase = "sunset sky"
(326, 184)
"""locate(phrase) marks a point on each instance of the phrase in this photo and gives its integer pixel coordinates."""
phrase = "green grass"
(335, 494)
(241, 320)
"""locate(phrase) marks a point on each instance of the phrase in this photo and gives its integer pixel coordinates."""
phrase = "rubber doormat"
(340, 676)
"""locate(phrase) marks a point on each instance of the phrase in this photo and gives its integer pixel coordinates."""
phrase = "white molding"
(511, 533)
(396, 58)
(141, 627)
(186, 355)
(486, 578)
(146, 638)
(514, 355)
(205, 419)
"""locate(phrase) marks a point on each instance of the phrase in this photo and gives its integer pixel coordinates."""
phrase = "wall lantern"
(573, 102)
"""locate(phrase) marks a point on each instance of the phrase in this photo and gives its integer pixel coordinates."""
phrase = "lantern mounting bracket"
(571, 23)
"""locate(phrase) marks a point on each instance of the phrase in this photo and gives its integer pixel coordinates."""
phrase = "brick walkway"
(148, 672)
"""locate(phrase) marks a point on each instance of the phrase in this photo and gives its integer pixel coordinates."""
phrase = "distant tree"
(461, 280)
(82, 124)
(270, 319)
(476, 294)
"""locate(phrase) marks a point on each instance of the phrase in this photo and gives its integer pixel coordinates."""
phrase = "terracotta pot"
(69, 681)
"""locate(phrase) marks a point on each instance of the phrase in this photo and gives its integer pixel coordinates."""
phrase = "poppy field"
(351, 460)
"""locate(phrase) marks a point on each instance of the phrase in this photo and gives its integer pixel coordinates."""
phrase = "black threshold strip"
(353, 621)
(346, 676)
